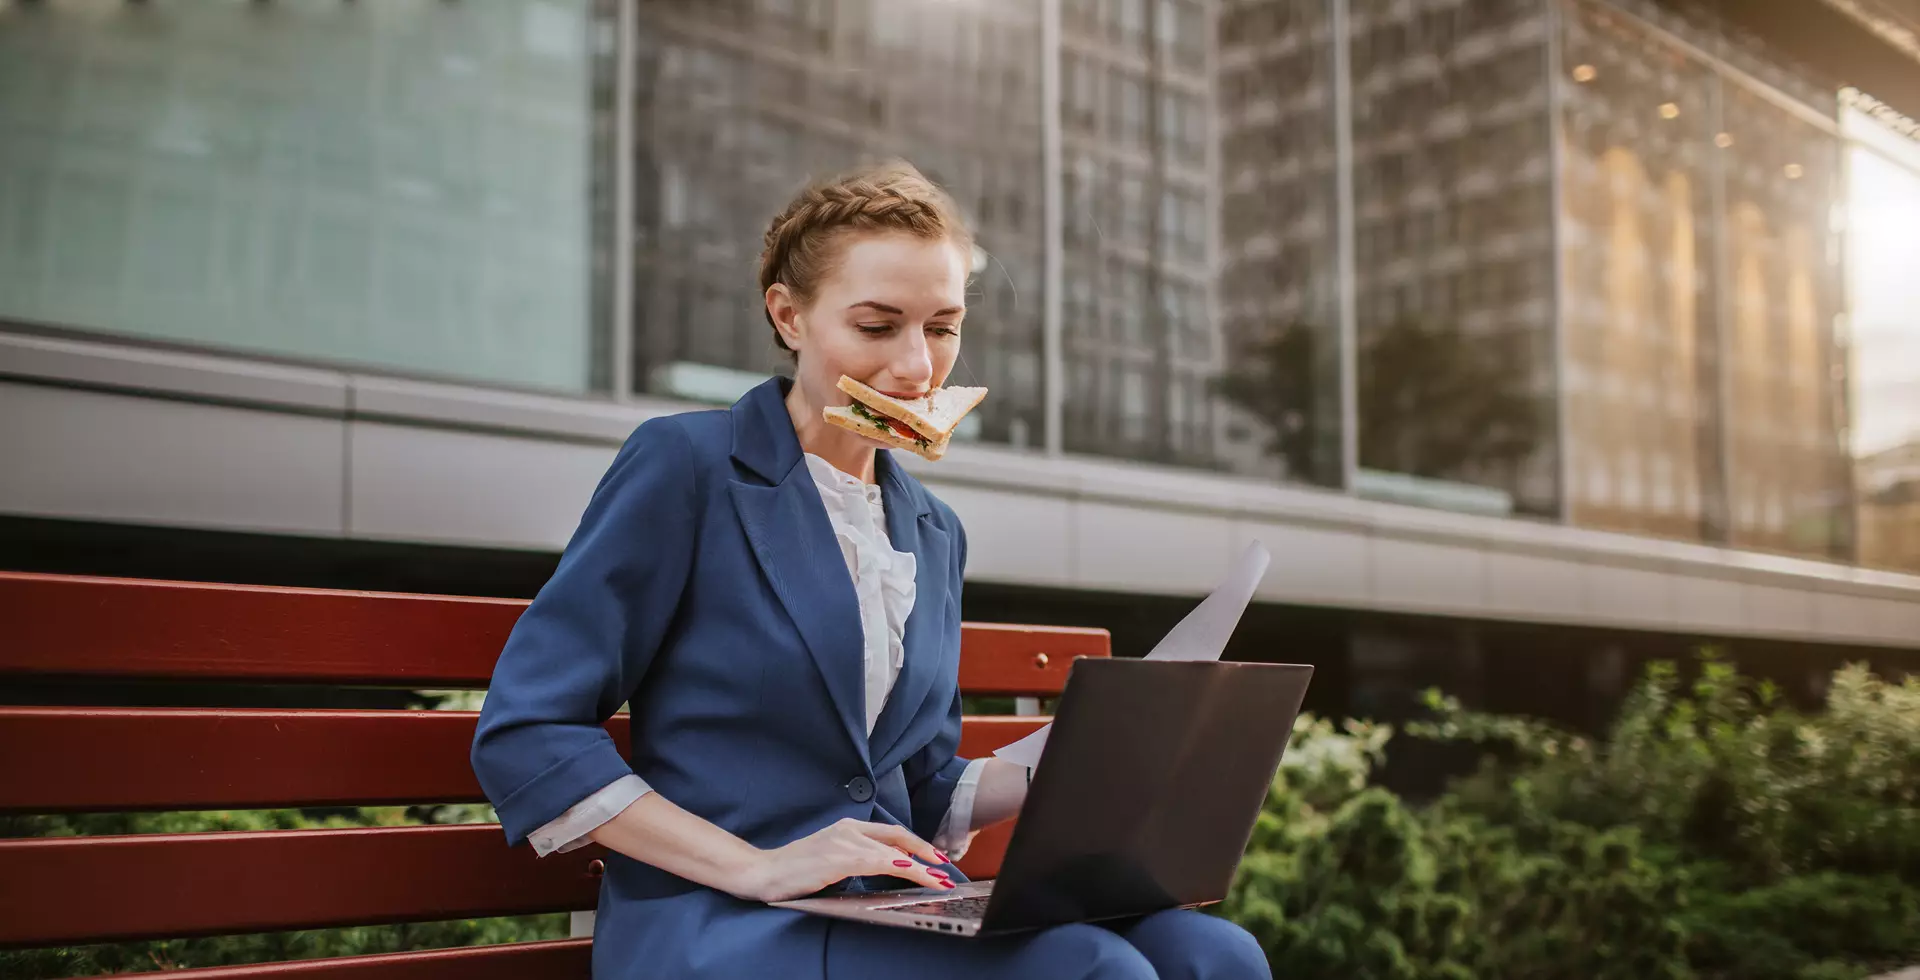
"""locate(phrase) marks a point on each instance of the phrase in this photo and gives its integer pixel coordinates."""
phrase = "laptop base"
(912, 908)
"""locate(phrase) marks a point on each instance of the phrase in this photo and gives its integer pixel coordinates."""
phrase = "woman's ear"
(785, 314)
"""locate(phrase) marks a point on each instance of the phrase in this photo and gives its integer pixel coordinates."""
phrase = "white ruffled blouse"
(883, 582)
(882, 577)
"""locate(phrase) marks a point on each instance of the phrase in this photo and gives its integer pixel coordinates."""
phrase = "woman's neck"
(848, 453)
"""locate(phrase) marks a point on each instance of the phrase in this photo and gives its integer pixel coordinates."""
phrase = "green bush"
(1713, 834)
(1723, 772)
(1342, 880)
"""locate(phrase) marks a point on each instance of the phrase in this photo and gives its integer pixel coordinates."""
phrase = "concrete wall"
(107, 432)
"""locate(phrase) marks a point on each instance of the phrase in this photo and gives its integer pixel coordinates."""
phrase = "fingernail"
(937, 873)
(943, 858)
(946, 884)
(903, 864)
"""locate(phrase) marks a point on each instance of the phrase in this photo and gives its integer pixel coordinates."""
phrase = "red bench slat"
(1003, 659)
(125, 759)
(558, 958)
(68, 626)
(213, 884)
(71, 890)
(981, 734)
(76, 627)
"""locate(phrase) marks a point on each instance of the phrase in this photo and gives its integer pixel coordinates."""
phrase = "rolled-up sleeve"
(582, 645)
(569, 830)
(956, 831)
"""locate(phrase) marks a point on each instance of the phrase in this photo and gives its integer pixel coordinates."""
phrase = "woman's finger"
(903, 839)
(890, 861)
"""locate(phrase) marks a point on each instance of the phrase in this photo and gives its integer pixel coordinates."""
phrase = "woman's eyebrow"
(896, 311)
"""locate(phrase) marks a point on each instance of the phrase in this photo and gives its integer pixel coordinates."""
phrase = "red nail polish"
(943, 858)
(946, 884)
(903, 864)
(937, 873)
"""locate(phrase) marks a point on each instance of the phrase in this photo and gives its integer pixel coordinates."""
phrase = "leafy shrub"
(1343, 880)
(1722, 772)
(1713, 834)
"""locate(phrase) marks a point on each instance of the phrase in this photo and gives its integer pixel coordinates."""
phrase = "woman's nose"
(914, 366)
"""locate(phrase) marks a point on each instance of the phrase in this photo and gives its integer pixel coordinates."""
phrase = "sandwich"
(920, 425)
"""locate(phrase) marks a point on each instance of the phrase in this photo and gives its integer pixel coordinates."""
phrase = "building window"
(1082, 109)
(189, 193)
(1191, 26)
(1133, 23)
(1132, 225)
(1080, 15)
(1133, 404)
(1130, 110)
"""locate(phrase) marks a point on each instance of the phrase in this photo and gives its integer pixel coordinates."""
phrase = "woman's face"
(889, 316)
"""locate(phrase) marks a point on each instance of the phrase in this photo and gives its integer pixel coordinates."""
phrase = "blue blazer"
(705, 587)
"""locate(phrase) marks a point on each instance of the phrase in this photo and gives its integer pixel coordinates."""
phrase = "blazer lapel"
(910, 528)
(787, 527)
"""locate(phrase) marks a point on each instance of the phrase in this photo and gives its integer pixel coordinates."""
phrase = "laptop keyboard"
(969, 907)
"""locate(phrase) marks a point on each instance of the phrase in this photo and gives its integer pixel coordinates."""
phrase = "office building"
(1534, 337)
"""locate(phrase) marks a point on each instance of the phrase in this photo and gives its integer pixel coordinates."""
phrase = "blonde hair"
(803, 242)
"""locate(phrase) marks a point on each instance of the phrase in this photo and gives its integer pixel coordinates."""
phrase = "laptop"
(1153, 776)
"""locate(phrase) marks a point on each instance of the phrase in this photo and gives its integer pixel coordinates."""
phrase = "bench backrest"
(78, 890)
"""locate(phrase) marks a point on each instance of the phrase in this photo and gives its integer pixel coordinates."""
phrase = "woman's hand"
(840, 850)
(1002, 792)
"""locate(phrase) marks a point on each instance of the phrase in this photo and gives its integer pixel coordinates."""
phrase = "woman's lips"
(905, 396)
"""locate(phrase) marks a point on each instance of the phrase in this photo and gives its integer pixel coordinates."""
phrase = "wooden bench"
(79, 890)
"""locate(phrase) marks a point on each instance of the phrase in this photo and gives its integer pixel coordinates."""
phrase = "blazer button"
(860, 789)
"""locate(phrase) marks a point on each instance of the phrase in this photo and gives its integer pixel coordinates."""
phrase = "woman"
(780, 603)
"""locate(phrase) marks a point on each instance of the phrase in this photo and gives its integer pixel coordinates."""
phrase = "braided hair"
(801, 242)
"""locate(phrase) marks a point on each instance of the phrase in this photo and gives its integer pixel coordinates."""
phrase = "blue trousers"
(1177, 945)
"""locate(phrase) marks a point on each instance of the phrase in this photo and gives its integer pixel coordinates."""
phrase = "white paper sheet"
(1202, 635)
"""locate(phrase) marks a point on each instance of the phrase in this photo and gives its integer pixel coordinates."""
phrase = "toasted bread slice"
(933, 415)
(884, 434)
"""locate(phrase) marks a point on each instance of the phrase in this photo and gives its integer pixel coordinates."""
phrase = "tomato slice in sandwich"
(902, 429)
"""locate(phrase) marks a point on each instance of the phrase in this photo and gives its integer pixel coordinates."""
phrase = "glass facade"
(404, 185)
(1640, 304)
(1882, 215)
(1138, 337)
(1704, 263)
(1279, 281)
(1590, 260)
(1788, 489)
(1453, 244)
(739, 103)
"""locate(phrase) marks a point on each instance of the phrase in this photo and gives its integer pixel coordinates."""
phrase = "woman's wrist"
(654, 831)
(1003, 790)
(742, 872)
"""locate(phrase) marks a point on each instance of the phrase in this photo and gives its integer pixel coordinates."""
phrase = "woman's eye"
(944, 329)
(875, 329)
